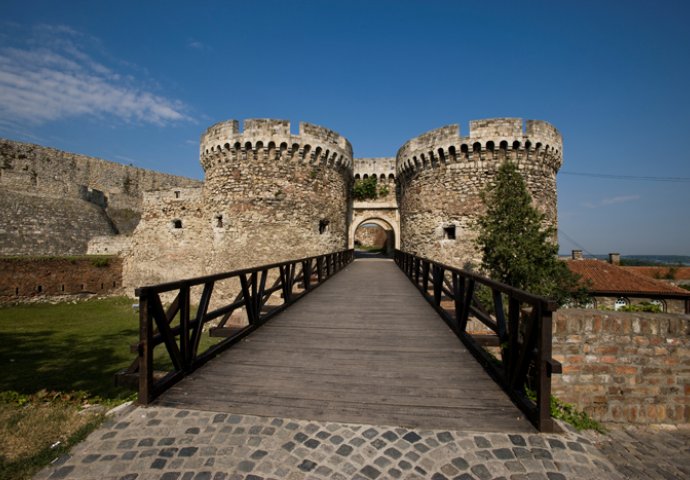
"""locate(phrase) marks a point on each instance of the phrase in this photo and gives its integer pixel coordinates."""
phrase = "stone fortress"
(268, 196)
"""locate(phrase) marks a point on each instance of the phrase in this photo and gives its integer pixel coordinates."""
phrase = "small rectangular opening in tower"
(219, 221)
(449, 232)
(177, 194)
(177, 223)
(323, 226)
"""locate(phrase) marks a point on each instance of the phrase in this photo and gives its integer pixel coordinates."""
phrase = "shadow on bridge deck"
(363, 348)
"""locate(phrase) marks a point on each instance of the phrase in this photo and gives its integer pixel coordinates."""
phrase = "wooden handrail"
(180, 332)
(521, 361)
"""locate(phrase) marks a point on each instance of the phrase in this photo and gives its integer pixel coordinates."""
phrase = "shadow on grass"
(47, 359)
(67, 347)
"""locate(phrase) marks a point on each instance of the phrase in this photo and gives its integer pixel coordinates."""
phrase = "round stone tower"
(271, 196)
(442, 173)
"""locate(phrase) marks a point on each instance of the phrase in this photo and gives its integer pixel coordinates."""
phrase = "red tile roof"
(604, 277)
(679, 273)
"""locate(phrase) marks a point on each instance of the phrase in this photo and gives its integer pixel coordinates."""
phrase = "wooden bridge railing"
(516, 325)
(179, 329)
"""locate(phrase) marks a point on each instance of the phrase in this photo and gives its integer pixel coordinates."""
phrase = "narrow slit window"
(323, 226)
(449, 232)
(177, 194)
(219, 221)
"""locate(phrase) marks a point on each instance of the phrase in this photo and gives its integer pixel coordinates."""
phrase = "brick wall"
(22, 278)
(624, 367)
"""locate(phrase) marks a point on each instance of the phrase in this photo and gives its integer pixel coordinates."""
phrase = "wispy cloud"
(197, 45)
(612, 201)
(53, 74)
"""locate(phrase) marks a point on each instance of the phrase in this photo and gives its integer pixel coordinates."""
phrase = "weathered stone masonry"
(441, 175)
(52, 202)
(268, 196)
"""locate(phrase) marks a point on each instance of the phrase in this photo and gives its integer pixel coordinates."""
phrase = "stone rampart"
(52, 172)
(43, 165)
(624, 367)
(441, 175)
(36, 225)
(109, 245)
(29, 277)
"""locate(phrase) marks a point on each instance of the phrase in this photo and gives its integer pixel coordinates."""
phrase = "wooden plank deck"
(363, 348)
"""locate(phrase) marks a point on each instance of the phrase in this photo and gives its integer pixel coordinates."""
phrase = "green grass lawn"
(67, 347)
(55, 360)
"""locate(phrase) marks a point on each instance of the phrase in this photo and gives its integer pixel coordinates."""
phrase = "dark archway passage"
(374, 237)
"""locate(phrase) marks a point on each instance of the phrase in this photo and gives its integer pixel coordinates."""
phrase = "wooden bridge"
(366, 347)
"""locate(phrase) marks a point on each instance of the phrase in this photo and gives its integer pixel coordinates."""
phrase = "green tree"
(516, 247)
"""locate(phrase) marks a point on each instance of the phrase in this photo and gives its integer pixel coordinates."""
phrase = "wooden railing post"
(306, 273)
(437, 276)
(185, 349)
(545, 422)
(145, 350)
(458, 292)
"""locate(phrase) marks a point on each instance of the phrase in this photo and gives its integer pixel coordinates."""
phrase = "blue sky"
(138, 82)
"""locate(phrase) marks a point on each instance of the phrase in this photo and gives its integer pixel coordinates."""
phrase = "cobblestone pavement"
(172, 444)
(650, 452)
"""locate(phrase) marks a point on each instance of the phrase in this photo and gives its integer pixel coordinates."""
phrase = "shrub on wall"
(365, 189)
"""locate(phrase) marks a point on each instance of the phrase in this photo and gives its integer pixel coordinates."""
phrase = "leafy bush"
(641, 307)
(365, 189)
(569, 414)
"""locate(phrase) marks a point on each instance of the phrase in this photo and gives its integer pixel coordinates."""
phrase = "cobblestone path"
(174, 444)
(650, 452)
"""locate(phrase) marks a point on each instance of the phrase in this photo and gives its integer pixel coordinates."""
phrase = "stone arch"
(387, 221)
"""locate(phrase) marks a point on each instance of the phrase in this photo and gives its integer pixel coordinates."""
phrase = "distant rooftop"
(607, 278)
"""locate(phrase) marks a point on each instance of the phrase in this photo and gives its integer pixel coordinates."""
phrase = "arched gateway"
(381, 210)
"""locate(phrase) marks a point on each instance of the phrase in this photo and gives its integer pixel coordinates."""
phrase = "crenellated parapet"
(383, 168)
(271, 140)
(532, 143)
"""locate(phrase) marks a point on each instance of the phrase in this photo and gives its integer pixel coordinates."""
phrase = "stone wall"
(36, 225)
(172, 240)
(441, 175)
(268, 196)
(109, 245)
(68, 188)
(22, 278)
(624, 367)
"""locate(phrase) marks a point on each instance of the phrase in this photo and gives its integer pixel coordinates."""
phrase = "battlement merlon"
(510, 134)
(378, 166)
(312, 140)
(270, 129)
